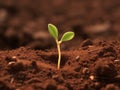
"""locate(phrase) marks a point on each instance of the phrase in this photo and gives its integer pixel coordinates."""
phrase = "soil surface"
(28, 54)
(89, 67)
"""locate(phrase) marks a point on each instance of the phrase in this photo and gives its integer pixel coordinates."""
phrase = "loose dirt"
(89, 67)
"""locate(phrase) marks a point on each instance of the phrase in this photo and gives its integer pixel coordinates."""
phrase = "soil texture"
(28, 54)
(89, 67)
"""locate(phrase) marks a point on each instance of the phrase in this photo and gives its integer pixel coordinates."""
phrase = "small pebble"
(12, 80)
(117, 61)
(77, 57)
(14, 57)
(10, 63)
(92, 77)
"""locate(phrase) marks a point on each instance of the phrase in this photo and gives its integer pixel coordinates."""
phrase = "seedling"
(66, 37)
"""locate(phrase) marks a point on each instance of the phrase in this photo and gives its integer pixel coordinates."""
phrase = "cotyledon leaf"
(53, 31)
(67, 36)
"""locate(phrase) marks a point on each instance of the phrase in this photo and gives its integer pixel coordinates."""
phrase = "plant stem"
(59, 54)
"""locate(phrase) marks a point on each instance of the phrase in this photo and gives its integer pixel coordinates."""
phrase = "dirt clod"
(60, 87)
(58, 78)
(51, 85)
(10, 59)
(87, 43)
(111, 87)
(104, 71)
(3, 86)
(15, 67)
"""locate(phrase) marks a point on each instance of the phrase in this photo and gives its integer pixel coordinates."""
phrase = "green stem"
(59, 54)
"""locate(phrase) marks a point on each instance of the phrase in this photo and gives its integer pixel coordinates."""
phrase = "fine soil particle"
(95, 68)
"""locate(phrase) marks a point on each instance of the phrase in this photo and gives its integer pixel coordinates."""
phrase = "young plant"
(66, 37)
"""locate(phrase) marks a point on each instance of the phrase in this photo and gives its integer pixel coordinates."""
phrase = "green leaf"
(53, 31)
(67, 36)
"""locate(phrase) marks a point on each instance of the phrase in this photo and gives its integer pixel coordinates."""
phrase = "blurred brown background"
(24, 22)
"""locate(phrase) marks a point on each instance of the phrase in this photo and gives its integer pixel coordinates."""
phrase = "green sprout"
(66, 37)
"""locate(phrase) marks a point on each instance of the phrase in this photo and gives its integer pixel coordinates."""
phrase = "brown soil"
(90, 67)
(28, 55)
